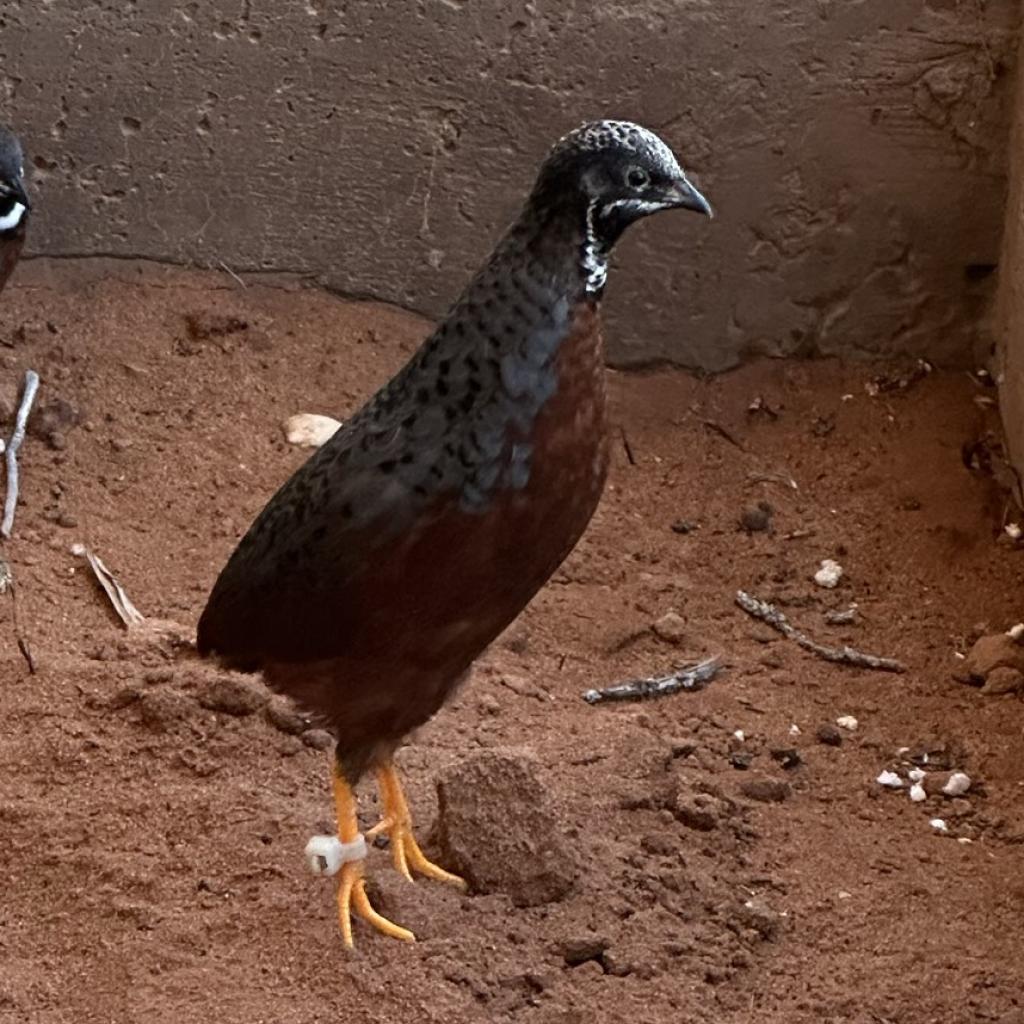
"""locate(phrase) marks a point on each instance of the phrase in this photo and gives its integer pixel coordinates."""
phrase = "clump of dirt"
(734, 857)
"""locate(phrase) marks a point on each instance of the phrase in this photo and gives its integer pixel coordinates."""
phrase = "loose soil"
(151, 854)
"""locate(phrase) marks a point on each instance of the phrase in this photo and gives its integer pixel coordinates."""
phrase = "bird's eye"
(637, 177)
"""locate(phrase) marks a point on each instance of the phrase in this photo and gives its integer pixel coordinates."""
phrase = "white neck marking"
(595, 259)
(12, 219)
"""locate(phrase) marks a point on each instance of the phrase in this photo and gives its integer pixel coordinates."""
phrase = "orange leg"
(397, 823)
(352, 898)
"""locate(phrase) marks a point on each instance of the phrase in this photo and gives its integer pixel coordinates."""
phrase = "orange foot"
(347, 851)
(397, 824)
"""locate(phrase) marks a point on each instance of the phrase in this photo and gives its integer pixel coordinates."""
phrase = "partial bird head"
(14, 201)
(610, 174)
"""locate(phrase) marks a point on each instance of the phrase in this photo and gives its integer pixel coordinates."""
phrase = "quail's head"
(14, 199)
(617, 172)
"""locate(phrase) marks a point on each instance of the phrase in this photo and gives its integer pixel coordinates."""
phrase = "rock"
(684, 526)
(848, 722)
(282, 715)
(829, 735)
(495, 827)
(829, 574)
(670, 627)
(766, 791)
(309, 430)
(581, 948)
(741, 759)
(1003, 680)
(757, 519)
(318, 739)
(234, 696)
(759, 917)
(788, 757)
(992, 652)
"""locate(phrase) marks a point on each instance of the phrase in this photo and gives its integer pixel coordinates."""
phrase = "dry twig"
(126, 611)
(844, 655)
(691, 678)
(11, 499)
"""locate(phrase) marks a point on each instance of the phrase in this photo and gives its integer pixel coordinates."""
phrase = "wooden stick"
(691, 678)
(11, 499)
(770, 615)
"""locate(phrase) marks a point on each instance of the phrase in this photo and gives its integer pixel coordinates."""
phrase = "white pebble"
(958, 784)
(917, 793)
(847, 722)
(1016, 632)
(794, 730)
(829, 574)
(915, 775)
(939, 825)
(1013, 531)
(740, 735)
(309, 430)
(890, 780)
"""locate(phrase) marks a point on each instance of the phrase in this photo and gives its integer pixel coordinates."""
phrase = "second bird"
(390, 560)
(14, 204)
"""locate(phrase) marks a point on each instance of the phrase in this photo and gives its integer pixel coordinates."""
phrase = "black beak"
(19, 193)
(686, 197)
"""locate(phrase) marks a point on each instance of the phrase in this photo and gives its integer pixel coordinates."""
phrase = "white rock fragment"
(939, 825)
(794, 730)
(829, 574)
(309, 430)
(1013, 531)
(740, 735)
(890, 780)
(917, 793)
(847, 722)
(1016, 632)
(915, 775)
(958, 784)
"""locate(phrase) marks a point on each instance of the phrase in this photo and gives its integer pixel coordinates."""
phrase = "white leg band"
(326, 854)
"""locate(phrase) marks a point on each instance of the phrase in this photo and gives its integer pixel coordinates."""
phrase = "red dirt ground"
(151, 850)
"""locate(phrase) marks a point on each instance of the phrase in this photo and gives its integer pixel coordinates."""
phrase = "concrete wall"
(853, 148)
(1008, 320)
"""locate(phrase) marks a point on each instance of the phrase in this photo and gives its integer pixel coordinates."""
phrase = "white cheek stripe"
(595, 259)
(12, 219)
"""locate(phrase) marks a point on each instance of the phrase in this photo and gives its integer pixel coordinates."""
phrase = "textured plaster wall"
(1009, 312)
(854, 150)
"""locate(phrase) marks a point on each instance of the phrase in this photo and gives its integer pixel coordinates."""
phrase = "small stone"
(309, 430)
(890, 780)
(741, 759)
(488, 705)
(670, 627)
(917, 793)
(67, 520)
(847, 722)
(581, 948)
(1003, 680)
(766, 791)
(496, 828)
(829, 574)
(318, 739)
(829, 735)
(787, 757)
(757, 519)
(699, 811)
(233, 696)
(684, 526)
(121, 444)
(991, 652)
(56, 441)
(759, 917)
